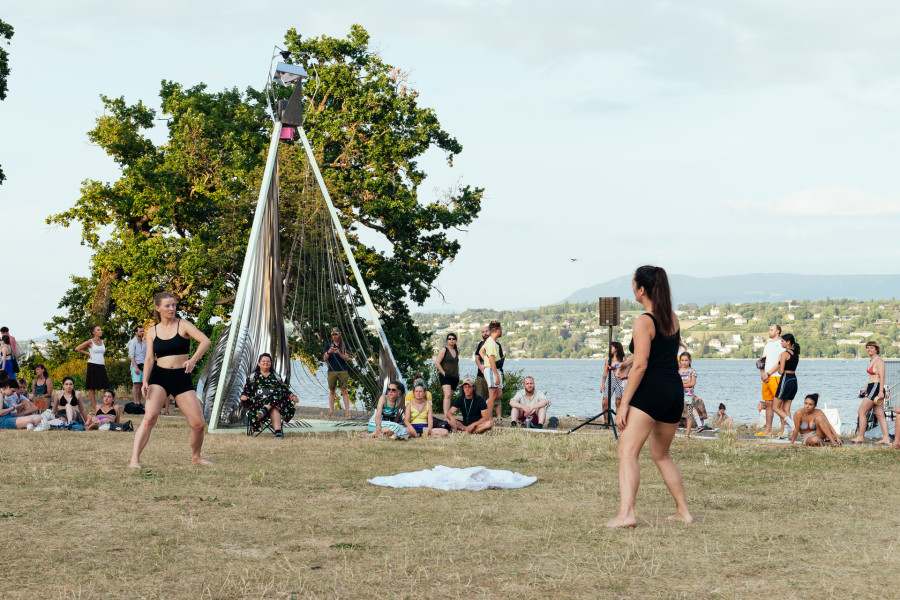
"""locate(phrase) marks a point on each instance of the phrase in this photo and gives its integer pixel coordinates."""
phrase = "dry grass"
(297, 519)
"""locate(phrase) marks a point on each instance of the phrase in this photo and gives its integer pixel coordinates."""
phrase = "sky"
(708, 137)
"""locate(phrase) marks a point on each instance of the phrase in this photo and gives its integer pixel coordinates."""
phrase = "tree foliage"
(6, 33)
(179, 215)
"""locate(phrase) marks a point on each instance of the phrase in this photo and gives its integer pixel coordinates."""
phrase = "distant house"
(817, 316)
(849, 342)
(733, 316)
(791, 303)
(715, 343)
(594, 343)
(526, 322)
(882, 321)
(736, 338)
(714, 311)
(789, 316)
(837, 325)
(862, 333)
(740, 321)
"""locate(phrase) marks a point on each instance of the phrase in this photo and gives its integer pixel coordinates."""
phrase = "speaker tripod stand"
(610, 411)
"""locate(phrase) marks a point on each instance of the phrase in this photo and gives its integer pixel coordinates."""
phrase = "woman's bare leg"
(660, 441)
(879, 414)
(448, 396)
(275, 415)
(189, 404)
(778, 409)
(631, 440)
(864, 407)
(92, 394)
(156, 397)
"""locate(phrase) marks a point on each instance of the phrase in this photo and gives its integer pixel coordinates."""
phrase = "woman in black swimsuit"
(167, 371)
(654, 397)
(107, 412)
(69, 404)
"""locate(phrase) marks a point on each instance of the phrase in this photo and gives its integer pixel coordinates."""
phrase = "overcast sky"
(707, 137)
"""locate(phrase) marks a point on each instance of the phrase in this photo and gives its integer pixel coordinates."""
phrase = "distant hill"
(756, 287)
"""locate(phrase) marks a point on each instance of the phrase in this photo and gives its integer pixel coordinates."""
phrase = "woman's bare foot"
(681, 517)
(884, 441)
(621, 522)
(201, 461)
(134, 465)
(856, 440)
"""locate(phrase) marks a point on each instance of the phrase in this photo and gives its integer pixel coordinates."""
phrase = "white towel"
(449, 478)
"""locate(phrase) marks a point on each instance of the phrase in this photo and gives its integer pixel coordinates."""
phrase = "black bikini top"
(112, 411)
(173, 346)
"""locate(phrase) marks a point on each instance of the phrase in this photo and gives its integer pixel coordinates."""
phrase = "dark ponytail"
(814, 398)
(656, 283)
(795, 347)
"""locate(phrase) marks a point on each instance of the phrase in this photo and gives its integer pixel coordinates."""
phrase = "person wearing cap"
(529, 406)
(336, 356)
(472, 410)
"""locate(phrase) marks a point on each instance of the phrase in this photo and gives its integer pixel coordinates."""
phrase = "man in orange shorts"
(769, 374)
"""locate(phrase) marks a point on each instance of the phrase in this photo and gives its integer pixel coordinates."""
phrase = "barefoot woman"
(167, 371)
(653, 400)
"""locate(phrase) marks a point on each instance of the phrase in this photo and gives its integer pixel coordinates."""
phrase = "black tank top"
(663, 350)
(450, 363)
(791, 363)
(173, 346)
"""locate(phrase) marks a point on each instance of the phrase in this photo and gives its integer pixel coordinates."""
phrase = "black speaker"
(609, 312)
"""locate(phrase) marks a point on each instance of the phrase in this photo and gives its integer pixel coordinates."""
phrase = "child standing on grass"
(688, 380)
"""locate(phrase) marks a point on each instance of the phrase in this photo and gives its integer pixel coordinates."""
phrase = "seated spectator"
(409, 395)
(266, 395)
(107, 412)
(813, 426)
(700, 415)
(721, 419)
(417, 415)
(69, 404)
(472, 409)
(26, 406)
(8, 407)
(529, 407)
(385, 419)
(42, 388)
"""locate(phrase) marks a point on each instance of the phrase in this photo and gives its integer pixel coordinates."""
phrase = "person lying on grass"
(418, 418)
(472, 409)
(813, 426)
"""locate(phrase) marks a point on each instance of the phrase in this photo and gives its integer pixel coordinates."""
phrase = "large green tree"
(6, 33)
(179, 215)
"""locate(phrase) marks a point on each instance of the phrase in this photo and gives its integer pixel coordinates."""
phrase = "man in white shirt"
(529, 406)
(137, 352)
(769, 374)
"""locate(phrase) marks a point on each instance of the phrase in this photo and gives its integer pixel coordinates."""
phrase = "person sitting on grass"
(384, 419)
(24, 406)
(700, 415)
(41, 387)
(69, 404)
(8, 418)
(813, 426)
(472, 409)
(107, 412)
(721, 419)
(529, 406)
(266, 395)
(418, 418)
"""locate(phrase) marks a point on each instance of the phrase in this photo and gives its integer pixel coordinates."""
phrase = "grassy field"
(297, 519)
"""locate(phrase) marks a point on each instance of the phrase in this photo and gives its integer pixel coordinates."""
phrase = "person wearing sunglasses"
(388, 413)
(447, 363)
(336, 356)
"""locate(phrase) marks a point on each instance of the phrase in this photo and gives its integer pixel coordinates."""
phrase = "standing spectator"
(97, 378)
(616, 357)
(69, 404)
(447, 363)
(688, 381)
(654, 399)
(336, 356)
(41, 387)
(6, 356)
(873, 396)
(529, 407)
(481, 388)
(137, 352)
(787, 387)
(16, 351)
(769, 374)
(490, 357)
(472, 409)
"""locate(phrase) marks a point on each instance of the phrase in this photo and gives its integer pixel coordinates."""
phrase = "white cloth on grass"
(449, 478)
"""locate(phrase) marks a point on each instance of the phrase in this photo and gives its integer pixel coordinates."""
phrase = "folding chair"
(266, 425)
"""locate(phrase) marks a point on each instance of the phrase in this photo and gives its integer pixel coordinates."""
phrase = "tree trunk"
(102, 296)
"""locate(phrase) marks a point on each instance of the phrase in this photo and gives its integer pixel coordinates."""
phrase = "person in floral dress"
(265, 394)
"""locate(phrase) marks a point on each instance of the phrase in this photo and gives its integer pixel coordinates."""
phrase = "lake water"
(573, 386)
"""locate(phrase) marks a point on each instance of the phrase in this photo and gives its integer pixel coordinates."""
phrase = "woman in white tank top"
(96, 378)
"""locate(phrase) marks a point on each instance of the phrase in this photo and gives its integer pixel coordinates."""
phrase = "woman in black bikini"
(167, 370)
(654, 397)
(69, 404)
(107, 412)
